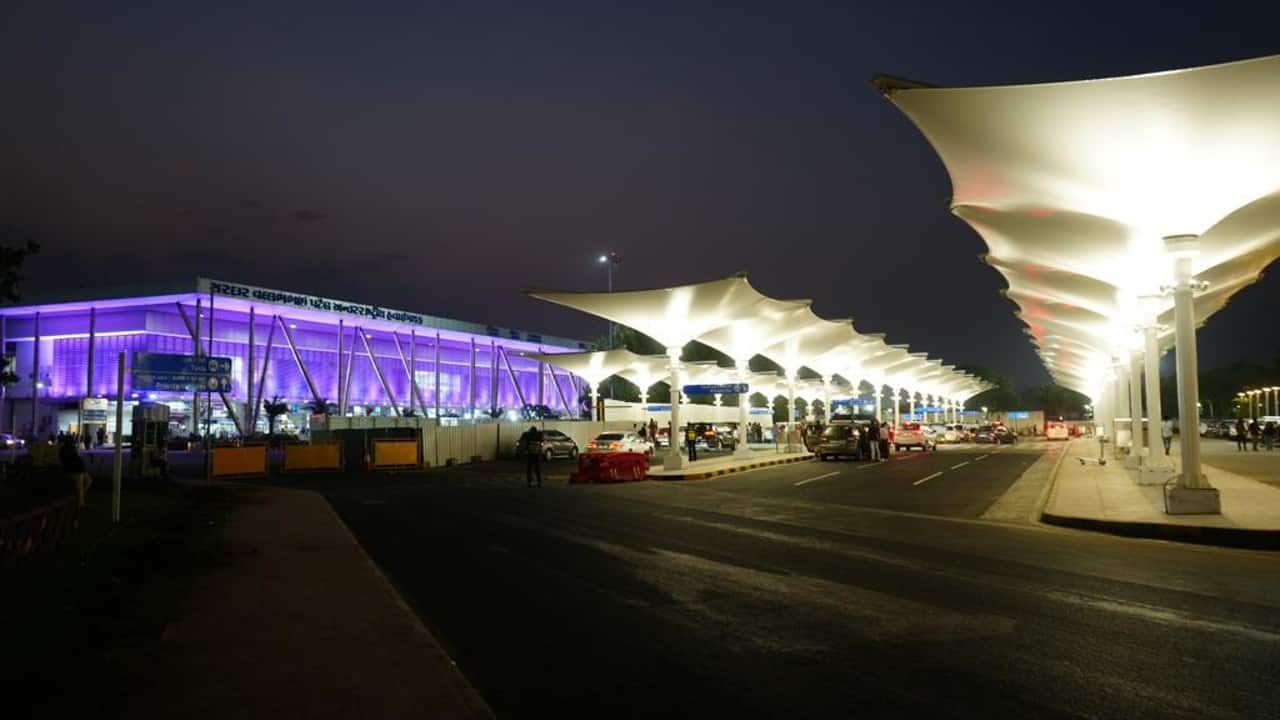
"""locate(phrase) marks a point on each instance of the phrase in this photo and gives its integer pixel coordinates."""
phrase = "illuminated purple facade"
(166, 322)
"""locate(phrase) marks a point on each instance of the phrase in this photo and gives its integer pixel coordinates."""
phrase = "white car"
(912, 434)
(1056, 431)
(620, 442)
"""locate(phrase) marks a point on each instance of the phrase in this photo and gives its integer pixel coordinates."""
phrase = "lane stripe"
(806, 482)
(926, 479)
(957, 467)
(980, 457)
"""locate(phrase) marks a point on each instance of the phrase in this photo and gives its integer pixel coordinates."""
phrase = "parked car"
(1004, 436)
(620, 442)
(1056, 431)
(952, 434)
(662, 438)
(555, 444)
(841, 439)
(9, 440)
(984, 434)
(912, 434)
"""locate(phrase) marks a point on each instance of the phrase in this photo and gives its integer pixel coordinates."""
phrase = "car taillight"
(614, 446)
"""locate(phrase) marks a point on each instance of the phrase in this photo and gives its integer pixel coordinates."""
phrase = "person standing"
(873, 439)
(691, 441)
(1269, 435)
(1241, 432)
(1166, 433)
(653, 432)
(531, 443)
(1255, 432)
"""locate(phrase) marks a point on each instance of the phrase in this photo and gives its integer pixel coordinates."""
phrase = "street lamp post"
(610, 259)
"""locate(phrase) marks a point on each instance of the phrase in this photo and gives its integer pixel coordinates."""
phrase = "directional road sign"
(726, 389)
(166, 372)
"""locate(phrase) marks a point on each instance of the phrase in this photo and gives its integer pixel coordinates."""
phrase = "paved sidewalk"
(300, 624)
(1109, 498)
(702, 469)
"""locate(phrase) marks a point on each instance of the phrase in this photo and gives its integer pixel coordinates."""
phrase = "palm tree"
(274, 409)
(322, 407)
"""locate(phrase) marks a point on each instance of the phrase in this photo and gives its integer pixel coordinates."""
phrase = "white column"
(1120, 387)
(911, 404)
(674, 460)
(791, 409)
(744, 402)
(879, 391)
(893, 393)
(1135, 408)
(595, 397)
(1155, 413)
(1193, 494)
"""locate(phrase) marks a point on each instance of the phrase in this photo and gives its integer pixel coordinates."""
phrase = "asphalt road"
(787, 592)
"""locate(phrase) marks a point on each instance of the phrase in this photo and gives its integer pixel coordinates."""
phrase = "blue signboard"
(1018, 415)
(725, 389)
(658, 408)
(167, 372)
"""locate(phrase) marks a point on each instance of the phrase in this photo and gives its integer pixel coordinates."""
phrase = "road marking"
(806, 482)
(926, 479)
(980, 457)
(957, 467)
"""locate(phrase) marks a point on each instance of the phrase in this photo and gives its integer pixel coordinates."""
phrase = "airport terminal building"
(359, 359)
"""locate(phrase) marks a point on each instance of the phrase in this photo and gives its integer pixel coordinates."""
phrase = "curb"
(1196, 534)
(1047, 493)
(471, 699)
(728, 471)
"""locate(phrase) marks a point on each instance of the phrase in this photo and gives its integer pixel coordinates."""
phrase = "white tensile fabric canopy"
(1075, 185)
(733, 317)
(1123, 213)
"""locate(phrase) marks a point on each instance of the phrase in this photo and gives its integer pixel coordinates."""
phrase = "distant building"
(479, 368)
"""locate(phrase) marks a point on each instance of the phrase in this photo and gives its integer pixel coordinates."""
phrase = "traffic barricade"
(311, 457)
(610, 467)
(395, 454)
(240, 461)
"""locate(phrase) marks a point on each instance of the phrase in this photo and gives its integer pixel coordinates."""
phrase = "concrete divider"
(240, 461)
(315, 456)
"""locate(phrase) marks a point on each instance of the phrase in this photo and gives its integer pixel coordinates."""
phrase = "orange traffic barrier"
(395, 453)
(233, 461)
(316, 456)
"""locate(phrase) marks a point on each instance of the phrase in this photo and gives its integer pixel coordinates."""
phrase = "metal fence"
(36, 531)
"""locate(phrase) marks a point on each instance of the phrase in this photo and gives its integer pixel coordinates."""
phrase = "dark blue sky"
(440, 156)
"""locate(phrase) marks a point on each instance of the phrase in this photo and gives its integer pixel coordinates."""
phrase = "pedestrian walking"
(653, 432)
(1241, 432)
(691, 441)
(873, 439)
(1166, 433)
(1269, 435)
(531, 443)
(1255, 433)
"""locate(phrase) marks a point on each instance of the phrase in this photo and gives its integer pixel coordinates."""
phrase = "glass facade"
(478, 371)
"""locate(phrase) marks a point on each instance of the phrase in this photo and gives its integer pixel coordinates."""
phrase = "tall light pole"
(610, 259)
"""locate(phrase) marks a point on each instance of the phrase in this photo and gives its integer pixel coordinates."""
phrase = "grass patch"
(82, 624)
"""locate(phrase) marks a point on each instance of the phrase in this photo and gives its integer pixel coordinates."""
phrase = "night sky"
(438, 157)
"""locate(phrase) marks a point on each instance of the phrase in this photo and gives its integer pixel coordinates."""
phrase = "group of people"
(1253, 432)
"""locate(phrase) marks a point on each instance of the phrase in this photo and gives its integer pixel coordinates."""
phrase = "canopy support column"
(1135, 409)
(674, 460)
(740, 449)
(879, 392)
(1193, 493)
(1155, 413)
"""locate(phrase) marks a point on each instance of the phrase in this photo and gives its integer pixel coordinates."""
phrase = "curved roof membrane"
(1075, 185)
